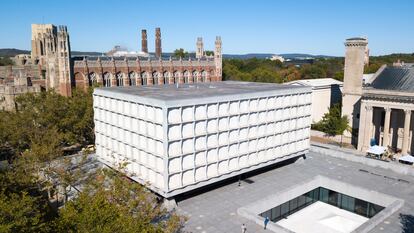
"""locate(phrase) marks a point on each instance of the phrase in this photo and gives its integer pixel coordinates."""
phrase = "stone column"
(386, 140)
(406, 137)
(361, 130)
(368, 127)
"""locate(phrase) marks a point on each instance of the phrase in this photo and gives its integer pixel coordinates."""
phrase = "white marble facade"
(178, 148)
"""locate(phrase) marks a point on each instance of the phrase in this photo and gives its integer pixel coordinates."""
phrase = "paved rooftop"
(226, 90)
(215, 210)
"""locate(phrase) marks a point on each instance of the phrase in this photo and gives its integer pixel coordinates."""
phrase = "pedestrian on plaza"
(266, 221)
(244, 228)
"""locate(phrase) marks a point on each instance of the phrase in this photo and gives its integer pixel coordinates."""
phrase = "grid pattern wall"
(131, 135)
(210, 140)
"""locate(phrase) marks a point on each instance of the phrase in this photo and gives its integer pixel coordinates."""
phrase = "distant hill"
(80, 53)
(11, 52)
(269, 55)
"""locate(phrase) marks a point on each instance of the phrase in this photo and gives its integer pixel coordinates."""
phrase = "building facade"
(386, 110)
(52, 66)
(326, 92)
(179, 138)
(380, 110)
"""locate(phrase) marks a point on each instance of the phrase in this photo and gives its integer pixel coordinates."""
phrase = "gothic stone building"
(65, 72)
(51, 66)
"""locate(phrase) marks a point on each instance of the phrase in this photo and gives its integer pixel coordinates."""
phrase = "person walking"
(244, 228)
(266, 221)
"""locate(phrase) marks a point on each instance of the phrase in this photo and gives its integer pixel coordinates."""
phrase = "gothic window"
(186, 76)
(167, 76)
(120, 79)
(92, 79)
(195, 76)
(176, 76)
(204, 75)
(156, 77)
(144, 76)
(107, 79)
(132, 79)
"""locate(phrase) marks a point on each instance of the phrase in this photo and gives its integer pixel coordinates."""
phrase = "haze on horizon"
(314, 27)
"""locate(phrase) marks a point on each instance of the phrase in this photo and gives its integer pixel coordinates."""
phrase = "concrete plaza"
(215, 209)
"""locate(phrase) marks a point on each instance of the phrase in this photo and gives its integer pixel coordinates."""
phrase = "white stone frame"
(390, 203)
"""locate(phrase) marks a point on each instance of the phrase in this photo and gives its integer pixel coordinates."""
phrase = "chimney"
(158, 49)
(144, 44)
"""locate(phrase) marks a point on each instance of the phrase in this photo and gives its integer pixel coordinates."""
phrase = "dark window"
(293, 204)
(331, 197)
(361, 207)
(284, 211)
(275, 213)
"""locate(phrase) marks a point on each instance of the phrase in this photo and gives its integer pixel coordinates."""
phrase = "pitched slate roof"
(396, 79)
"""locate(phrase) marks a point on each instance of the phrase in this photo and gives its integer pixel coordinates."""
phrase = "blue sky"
(246, 26)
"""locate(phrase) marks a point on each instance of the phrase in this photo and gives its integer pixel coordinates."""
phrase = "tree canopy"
(180, 53)
(33, 138)
(264, 70)
(333, 123)
(5, 61)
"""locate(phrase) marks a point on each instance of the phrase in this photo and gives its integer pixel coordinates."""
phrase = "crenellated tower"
(43, 42)
(200, 48)
(218, 57)
(64, 61)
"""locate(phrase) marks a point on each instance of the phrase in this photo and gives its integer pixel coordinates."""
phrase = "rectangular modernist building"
(177, 138)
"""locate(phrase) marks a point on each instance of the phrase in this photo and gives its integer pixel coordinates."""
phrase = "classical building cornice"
(388, 95)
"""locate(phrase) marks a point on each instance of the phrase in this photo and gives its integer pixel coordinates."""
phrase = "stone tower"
(158, 50)
(218, 58)
(366, 61)
(42, 35)
(144, 43)
(200, 48)
(353, 72)
(64, 62)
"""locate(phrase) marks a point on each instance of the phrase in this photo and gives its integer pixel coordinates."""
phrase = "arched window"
(204, 75)
(176, 76)
(132, 78)
(156, 77)
(144, 76)
(195, 76)
(92, 79)
(107, 79)
(120, 79)
(167, 76)
(186, 76)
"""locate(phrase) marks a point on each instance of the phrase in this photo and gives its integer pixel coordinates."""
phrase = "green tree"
(6, 61)
(23, 208)
(36, 135)
(209, 53)
(332, 122)
(47, 116)
(21, 212)
(112, 203)
(180, 53)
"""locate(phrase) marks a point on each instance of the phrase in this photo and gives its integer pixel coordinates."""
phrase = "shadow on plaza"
(243, 179)
(407, 222)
